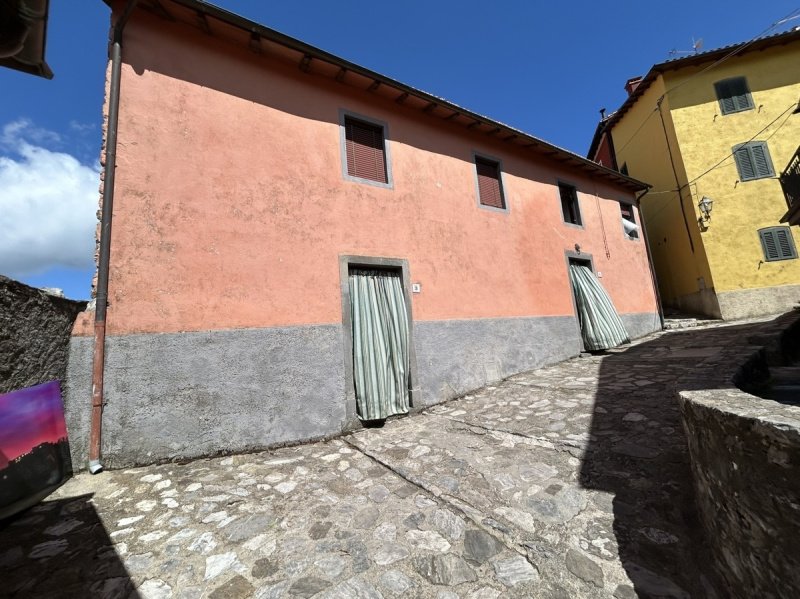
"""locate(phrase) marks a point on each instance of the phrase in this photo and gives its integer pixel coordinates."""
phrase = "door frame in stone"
(572, 256)
(399, 265)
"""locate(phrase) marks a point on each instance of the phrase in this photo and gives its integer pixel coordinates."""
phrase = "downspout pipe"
(650, 257)
(101, 297)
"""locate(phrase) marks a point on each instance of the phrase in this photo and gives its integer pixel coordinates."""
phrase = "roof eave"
(30, 59)
(520, 138)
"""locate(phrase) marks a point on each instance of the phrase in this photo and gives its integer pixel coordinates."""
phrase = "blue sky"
(544, 67)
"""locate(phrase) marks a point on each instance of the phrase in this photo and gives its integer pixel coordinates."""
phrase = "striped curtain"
(601, 327)
(380, 343)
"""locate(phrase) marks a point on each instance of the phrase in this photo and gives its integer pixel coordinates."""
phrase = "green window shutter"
(753, 161)
(744, 163)
(740, 94)
(769, 245)
(777, 243)
(733, 95)
(785, 243)
(726, 102)
(761, 161)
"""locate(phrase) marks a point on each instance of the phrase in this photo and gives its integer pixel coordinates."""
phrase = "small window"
(777, 243)
(365, 150)
(490, 187)
(569, 204)
(733, 95)
(753, 161)
(629, 221)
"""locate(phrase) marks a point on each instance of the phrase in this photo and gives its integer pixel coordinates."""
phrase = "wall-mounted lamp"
(705, 205)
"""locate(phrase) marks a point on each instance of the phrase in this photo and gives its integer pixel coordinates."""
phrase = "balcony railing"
(790, 179)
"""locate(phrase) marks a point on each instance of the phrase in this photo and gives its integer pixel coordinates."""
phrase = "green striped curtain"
(601, 327)
(380, 343)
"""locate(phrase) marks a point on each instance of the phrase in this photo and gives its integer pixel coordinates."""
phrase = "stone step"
(671, 324)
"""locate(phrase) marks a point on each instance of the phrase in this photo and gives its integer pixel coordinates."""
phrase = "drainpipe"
(650, 257)
(101, 297)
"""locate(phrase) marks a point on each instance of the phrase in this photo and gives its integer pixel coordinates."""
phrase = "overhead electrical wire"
(792, 15)
(730, 154)
(676, 192)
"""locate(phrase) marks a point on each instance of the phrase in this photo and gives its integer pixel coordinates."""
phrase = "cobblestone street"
(569, 481)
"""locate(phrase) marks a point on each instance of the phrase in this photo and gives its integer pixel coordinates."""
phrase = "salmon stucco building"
(717, 135)
(266, 192)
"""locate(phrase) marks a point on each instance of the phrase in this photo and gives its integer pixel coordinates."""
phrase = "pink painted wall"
(231, 210)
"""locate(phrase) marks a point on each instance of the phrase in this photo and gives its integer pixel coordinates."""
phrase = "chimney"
(632, 83)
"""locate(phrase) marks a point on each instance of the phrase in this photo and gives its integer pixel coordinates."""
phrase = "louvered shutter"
(726, 101)
(489, 189)
(768, 241)
(744, 163)
(777, 243)
(761, 161)
(741, 95)
(733, 95)
(366, 157)
(785, 247)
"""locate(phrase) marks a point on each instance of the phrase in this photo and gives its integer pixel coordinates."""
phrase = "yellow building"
(719, 127)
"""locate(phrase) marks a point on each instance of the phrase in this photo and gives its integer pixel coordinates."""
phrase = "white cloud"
(82, 128)
(48, 204)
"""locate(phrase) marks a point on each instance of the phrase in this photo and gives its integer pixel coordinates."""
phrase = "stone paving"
(568, 481)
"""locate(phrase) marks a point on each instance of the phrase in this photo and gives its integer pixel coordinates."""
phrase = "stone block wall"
(34, 335)
(745, 459)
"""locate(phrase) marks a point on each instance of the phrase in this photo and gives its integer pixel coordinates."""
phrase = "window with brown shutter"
(365, 150)
(490, 187)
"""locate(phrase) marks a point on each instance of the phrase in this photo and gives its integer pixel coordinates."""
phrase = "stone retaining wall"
(34, 335)
(745, 458)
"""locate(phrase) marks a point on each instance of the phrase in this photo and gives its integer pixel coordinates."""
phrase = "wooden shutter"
(726, 102)
(364, 146)
(740, 94)
(753, 161)
(761, 161)
(777, 243)
(733, 95)
(490, 190)
(744, 163)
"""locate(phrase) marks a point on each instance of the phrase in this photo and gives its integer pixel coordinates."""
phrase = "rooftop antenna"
(697, 45)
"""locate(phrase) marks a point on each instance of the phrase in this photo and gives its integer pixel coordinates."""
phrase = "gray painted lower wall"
(639, 325)
(701, 303)
(185, 395)
(77, 395)
(745, 303)
(457, 356)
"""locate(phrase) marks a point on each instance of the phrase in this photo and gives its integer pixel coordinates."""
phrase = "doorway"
(600, 324)
(380, 336)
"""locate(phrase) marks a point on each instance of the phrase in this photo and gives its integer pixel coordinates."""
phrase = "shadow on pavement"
(61, 549)
(638, 452)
